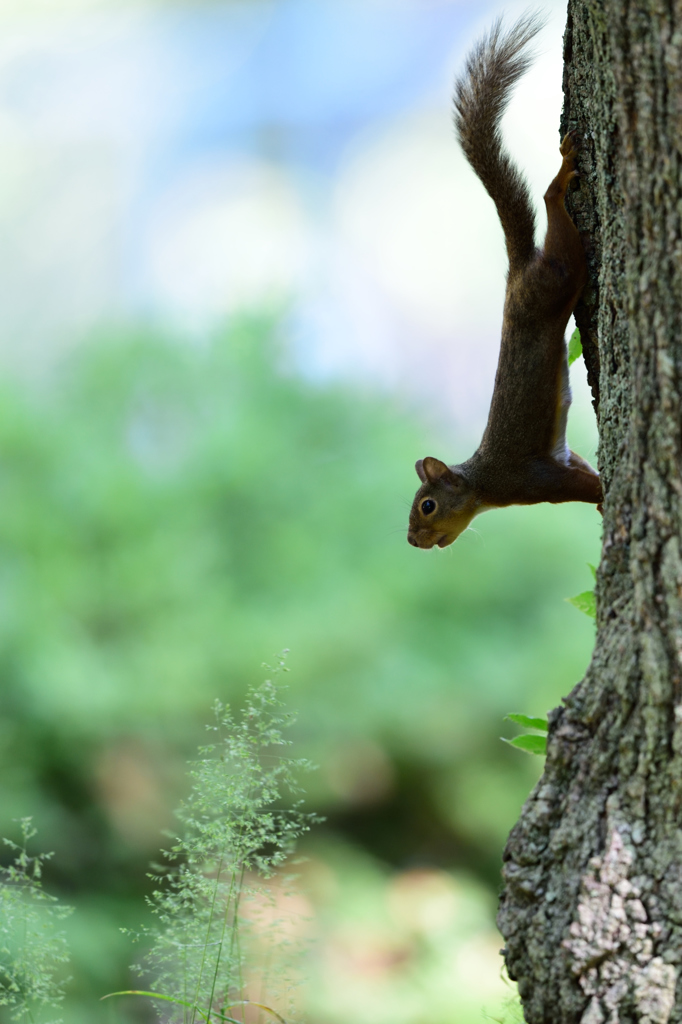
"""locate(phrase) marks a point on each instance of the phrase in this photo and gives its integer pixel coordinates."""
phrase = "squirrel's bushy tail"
(482, 93)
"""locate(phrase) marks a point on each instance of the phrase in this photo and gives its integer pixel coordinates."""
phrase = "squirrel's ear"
(419, 466)
(431, 469)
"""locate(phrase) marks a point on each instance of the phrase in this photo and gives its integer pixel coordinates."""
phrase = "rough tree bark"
(592, 906)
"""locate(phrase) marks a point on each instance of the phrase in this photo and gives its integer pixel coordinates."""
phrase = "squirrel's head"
(443, 506)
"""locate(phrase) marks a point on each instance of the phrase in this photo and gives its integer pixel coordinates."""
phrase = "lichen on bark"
(610, 799)
(611, 944)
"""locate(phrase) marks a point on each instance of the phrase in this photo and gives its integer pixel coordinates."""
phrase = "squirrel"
(523, 457)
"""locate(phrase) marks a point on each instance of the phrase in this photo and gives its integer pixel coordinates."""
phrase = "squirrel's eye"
(428, 506)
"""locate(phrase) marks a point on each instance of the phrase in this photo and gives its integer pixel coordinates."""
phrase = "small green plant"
(575, 347)
(586, 602)
(532, 743)
(240, 823)
(512, 1010)
(33, 948)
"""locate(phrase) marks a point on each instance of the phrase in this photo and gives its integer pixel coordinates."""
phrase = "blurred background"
(246, 280)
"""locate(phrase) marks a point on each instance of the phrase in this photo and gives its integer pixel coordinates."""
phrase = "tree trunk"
(592, 907)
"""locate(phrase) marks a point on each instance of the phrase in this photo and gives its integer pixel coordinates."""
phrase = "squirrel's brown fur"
(523, 457)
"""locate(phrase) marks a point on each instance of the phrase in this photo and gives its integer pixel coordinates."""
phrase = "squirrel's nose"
(411, 539)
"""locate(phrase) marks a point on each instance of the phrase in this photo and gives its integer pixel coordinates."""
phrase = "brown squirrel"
(523, 457)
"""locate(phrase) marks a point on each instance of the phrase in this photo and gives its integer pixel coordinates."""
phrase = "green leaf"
(575, 348)
(261, 1006)
(593, 570)
(585, 602)
(527, 721)
(158, 995)
(531, 744)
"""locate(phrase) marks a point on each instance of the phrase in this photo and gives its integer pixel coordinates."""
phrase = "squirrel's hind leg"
(563, 249)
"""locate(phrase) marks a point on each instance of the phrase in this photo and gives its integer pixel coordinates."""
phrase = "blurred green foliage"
(171, 515)
(33, 948)
(587, 601)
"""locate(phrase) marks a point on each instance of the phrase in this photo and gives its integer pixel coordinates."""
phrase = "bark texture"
(592, 906)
